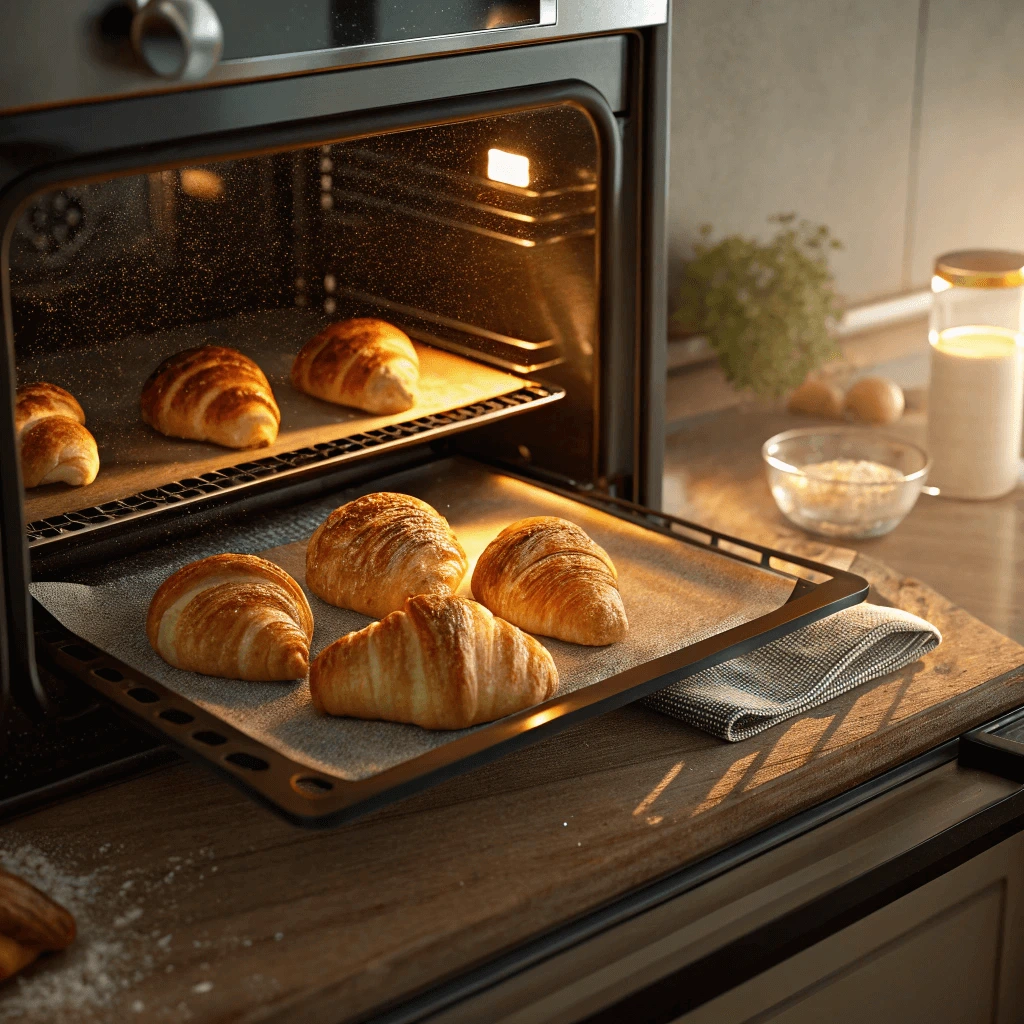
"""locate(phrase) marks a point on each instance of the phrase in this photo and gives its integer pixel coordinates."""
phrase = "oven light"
(510, 168)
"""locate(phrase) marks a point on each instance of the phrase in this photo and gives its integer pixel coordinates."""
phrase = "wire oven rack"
(313, 799)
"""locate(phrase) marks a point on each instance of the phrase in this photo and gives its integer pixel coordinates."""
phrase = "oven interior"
(479, 238)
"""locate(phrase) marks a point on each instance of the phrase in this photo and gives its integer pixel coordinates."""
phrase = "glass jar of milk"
(976, 396)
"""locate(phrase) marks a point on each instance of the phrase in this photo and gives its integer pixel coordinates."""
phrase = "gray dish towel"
(742, 697)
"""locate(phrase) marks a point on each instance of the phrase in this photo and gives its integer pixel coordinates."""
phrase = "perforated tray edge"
(317, 800)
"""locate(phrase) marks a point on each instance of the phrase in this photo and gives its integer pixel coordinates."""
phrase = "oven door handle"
(177, 39)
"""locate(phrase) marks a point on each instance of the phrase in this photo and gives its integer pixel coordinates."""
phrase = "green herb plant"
(768, 309)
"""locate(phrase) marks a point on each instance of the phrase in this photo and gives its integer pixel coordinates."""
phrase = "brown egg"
(817, 398)
(875, 400)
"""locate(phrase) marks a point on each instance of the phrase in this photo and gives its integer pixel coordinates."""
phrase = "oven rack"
(252, 473)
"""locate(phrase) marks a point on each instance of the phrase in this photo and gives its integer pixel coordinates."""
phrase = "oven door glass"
(478, 239)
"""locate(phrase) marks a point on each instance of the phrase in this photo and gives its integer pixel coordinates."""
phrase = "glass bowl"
(844, 481)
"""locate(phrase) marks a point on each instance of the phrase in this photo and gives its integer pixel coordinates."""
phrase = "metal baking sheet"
(135, 458)
(680, 597)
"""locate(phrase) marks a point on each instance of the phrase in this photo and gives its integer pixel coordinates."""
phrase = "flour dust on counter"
(126, 922)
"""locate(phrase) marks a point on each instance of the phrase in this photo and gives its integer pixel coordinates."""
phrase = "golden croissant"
(212, 394)
(52, 439)
(374, 552)
(30, 923)
(441, 663)
(233, 616)
(367, 363)
(547, 576)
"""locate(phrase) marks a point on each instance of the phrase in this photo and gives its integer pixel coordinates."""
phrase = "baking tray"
(143, 472)
(696, 598)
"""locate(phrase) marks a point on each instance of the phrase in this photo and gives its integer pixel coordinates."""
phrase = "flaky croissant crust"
(364, 362)
(440, 663)
(212, 393)
(54, 444)
(374, 552)
(547, 576)
(30, 923)
(233, 616)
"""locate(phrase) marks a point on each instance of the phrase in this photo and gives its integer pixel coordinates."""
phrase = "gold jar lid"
(981, 268)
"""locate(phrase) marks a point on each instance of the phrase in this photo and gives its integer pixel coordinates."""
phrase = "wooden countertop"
(197, 905)
(970, 551)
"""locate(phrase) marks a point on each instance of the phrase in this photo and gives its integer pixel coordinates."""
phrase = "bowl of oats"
(844, 481)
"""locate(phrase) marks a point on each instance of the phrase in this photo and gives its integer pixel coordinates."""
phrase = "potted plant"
(768, 309)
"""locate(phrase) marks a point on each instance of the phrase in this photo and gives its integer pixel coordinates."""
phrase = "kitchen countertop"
(195, 905)
(971, 551)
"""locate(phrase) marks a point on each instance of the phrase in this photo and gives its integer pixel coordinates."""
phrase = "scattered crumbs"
(565, 824)
(168, 878)
(105, 848)
(278, 936)
(204, 967)
(127, 885)
(579, 844)
(165, 942)
(246, 942)
(214, 868)
(127, 917)
(202, 987)
(169, 969)
(93, 971)
(173, 860)
(138, 1006)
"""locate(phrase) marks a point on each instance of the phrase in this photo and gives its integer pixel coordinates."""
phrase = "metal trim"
(84, 77)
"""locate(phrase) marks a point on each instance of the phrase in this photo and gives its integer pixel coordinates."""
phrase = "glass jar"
(976, 394)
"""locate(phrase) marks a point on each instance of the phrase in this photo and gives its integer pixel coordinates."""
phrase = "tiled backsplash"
(896, 124)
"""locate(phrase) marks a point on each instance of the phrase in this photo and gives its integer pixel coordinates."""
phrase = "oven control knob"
(180, 39)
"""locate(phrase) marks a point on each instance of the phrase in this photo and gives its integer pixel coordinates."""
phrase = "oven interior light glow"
(939, 284)
(510, 168)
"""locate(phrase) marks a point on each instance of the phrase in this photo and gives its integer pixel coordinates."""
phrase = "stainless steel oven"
(487, 175)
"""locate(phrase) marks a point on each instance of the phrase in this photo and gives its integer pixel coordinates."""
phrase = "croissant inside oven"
(54, 444)
(364, 362)
(212, 393)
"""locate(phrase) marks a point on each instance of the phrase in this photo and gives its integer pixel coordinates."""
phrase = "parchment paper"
(134, 457)
(674, 595)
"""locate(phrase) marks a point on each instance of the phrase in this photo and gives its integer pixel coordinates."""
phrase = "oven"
(486, 175)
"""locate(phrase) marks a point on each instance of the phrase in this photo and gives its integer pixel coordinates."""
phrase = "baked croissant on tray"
(233, 616)
(547, 576)
(213, 394)
(372, 553)
(441, 663)
(54, 444)
(30, 923)
(365, 362)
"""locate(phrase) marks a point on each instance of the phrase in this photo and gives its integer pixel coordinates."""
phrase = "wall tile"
(785, 105)
(970, 191)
